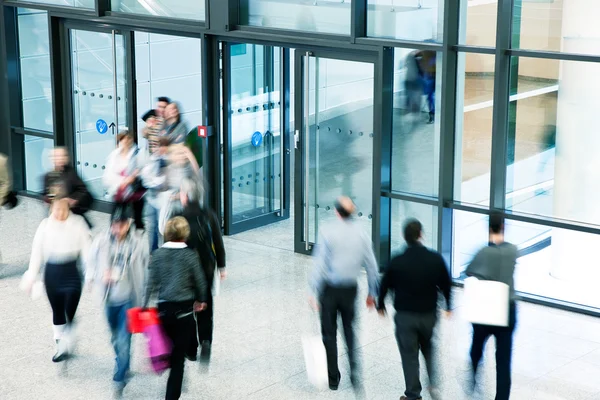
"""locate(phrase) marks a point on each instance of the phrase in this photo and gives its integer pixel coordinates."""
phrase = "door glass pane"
(323, 16)
(255, 132)
(94, 102)
(184, 9)
(340, 99)
(91, 4)
(419, 20)
(37, 161)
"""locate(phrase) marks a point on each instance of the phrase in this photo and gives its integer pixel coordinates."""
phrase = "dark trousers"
(333, 301)
(414, 332)
(138, 211)
(504, 340)
(203, 326)
(63, 287)
(178, 329)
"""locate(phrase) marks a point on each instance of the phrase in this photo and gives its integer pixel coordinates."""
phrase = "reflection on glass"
(323, 16)
(473, 144)
(420, 20)
(36, 83)
(404, 210)
(478, 22)
(566, 26)
(94, 102)
(37, 161)
(184, 9)
(416, 132)
(553, 263)
(91, 4)
(340, 139)
(255, 132)
(168, 66)
(554, 169)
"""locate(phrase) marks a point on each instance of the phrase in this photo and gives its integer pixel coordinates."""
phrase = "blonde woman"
(175, 274)
(60, 242)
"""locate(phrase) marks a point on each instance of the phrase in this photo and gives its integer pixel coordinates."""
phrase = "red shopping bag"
(138, 320)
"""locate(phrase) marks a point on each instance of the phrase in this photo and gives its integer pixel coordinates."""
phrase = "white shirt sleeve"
(37, 251)
(112, 178)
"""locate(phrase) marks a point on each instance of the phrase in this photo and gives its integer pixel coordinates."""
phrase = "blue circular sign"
(257, 139)
(101, 126)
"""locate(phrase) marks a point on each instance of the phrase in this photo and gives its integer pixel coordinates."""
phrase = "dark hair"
(124, 134)
(412, 231)
(341, 210)
(496, 223)
(163, 99)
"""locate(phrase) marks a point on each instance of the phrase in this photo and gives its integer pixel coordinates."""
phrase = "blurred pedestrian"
(151, 132)
(175, 127)
(181, 287)
(63, 182)
(154, 175)
(205, 237)
(122, 176)
(116, 266)
(161, 104)
(60, 243)
(342, 250)
(416, 277)
(496, 262)
(8, 198)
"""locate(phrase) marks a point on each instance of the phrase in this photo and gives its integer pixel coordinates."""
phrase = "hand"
(447, 314)
(223, 274)
(370, 302)
(313, 303)
(199, 306)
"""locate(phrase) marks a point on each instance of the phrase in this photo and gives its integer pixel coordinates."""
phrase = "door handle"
(306, 147)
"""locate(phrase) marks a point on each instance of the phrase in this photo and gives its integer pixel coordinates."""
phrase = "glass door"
(333, 141)
(98, 82)
(256, 148)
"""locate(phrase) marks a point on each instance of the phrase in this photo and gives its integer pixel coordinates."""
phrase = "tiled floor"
(260, 319)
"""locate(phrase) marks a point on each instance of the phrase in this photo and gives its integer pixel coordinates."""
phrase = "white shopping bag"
(486, 302)
(316, 361)
(216, 283)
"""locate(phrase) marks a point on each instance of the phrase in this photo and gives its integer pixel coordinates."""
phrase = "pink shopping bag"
(159, 347)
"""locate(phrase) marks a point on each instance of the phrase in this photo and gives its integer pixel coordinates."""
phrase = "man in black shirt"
(416, 276)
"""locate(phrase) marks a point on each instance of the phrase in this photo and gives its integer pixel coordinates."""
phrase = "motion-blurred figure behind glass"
(342, 250)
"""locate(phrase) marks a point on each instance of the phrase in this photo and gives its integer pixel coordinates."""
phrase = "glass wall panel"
(416, 132)
(404, 210)
(478, 22)
(558, 25)
(421, 20)
(324, 16)
(184, 9)
(168, 66)
(34, 57)
(553, 263)
(37, 162)
(473, 145)
(554, 169)
(88, 4)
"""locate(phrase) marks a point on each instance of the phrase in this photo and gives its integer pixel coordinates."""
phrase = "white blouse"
(59, 241)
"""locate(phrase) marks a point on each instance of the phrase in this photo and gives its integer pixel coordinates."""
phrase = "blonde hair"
(177, 230)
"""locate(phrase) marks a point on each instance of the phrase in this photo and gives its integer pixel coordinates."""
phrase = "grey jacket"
(99, 262)
(495, 263)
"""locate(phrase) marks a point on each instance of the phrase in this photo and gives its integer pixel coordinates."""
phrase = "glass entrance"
(98, 70)
(256, 187)
(334, 141)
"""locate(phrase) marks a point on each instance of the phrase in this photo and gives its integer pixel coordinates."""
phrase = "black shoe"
(61, 352)
(206, 351)
(335, 385)
(60, 357)
(192, 357)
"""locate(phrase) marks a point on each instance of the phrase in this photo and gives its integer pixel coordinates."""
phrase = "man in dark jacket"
(63, 182)
(416, 276)
(205, 237)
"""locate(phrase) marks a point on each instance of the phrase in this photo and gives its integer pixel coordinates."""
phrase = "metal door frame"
(300, 182)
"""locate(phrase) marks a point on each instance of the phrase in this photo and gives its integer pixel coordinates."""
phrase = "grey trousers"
(414, 332)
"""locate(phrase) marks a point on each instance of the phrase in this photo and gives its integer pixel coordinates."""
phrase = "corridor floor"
(261, 316)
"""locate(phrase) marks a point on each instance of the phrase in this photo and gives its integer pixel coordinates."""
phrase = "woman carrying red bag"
(182, 289)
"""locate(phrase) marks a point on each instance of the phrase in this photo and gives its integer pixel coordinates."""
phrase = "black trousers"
(504, 341)
(336, 300)
(414, 332)
(63, 287)
(138, 211)
(178, 329)
(203, 325)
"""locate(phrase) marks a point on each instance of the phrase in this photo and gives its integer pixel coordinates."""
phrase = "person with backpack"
(205, 237)
(116, 270)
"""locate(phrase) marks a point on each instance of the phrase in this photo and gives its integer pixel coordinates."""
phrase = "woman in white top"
(122, 177)
(60, 241)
